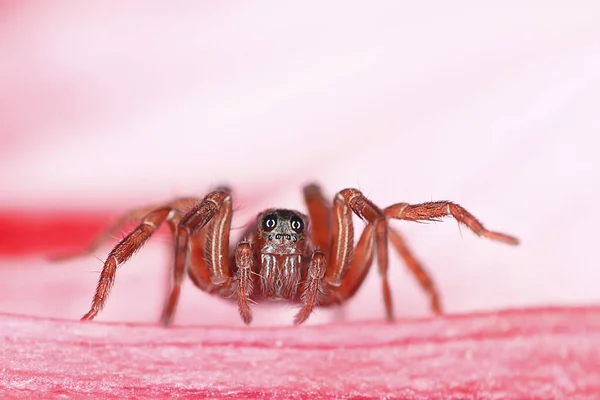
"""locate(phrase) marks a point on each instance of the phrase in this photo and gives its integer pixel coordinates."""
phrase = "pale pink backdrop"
(112, 105)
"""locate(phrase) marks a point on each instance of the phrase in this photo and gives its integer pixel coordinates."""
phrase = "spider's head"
(282, 239)
(282, 231)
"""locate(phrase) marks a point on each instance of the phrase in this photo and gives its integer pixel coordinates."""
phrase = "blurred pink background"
(112, 105)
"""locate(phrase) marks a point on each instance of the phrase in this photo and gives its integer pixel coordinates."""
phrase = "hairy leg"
(320, 216)
(345, 202)
(359, 268)
(190, 224)
(122, 252)
(342, 242)
(198, 271)
(111, 231)
(432, 211)
(361, 264)
(216, 248)
(416, 269)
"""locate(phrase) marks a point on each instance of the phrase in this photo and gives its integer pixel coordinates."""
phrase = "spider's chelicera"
(281, 256)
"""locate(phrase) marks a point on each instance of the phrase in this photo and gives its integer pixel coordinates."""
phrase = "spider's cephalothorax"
(281, 242)
(279, 258)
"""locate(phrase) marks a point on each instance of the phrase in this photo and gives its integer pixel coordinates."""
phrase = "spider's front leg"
(340, 275)
(216, 208)
(342, 260)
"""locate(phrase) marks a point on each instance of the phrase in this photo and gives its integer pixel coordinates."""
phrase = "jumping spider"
(281, 256)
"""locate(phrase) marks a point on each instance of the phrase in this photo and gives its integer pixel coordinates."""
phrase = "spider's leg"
(111, 231)
(416, 269)
(208, 252)
(342, 243)
(216, 247)
(106, 235)
(319, 213)
(434, 210)
(345, 202)
(244, 282)
(312, 288)
(122, 252)
(190, 224)
(198, 271)
(357, 272)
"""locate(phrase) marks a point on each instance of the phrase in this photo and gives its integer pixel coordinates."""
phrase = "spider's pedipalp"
(312, 288)
(244, 284)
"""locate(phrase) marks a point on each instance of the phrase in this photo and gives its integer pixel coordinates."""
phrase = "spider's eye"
(297, 224)
(269, 222)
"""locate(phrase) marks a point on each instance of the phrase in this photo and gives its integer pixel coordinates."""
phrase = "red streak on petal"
(36, 232)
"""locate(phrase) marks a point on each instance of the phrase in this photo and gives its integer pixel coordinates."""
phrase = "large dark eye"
(269, 222)
(297, 224)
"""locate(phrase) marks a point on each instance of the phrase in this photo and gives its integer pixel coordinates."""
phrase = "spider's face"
(282, 239)
(282, 231)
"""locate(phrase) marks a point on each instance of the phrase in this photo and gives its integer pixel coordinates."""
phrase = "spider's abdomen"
(280, 275)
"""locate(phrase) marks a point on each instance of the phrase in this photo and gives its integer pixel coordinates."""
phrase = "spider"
(284, 254)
